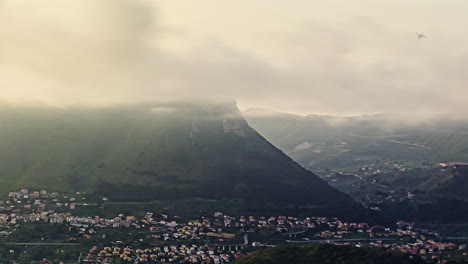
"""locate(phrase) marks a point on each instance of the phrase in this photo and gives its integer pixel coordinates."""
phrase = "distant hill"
(155, 151)
(452, 183)
(325, 253)
(441, 194)
(320, 142)
(448, 182)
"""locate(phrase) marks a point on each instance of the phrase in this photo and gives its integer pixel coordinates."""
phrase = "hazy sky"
(302, 56)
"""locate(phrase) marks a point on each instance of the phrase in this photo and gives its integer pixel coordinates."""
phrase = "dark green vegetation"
(155, 152)
(35, 255)
(452, 183)
(441, 199)
(325, 253)
(440, 195)
(326, 142)
(447, 182)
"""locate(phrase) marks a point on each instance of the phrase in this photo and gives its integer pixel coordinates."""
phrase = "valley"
(415, 172)
(185, 183)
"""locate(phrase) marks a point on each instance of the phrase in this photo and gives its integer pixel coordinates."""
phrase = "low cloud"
(77, 51)
(98, 52)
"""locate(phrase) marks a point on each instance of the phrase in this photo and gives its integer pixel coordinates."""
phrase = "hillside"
(453, 183)
(324, 253)
(445, 182)
(321, 142)
(439, 195)
(154, 151)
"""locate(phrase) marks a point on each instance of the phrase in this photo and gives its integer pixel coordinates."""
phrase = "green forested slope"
(324, 254)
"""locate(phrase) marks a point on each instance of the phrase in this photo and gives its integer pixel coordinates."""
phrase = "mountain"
(325, 253)
(324, 142)
(155, 151)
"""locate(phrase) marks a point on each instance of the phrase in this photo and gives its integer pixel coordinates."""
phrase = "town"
(213, 238)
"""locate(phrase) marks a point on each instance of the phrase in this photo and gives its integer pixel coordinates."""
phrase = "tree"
(24, 258)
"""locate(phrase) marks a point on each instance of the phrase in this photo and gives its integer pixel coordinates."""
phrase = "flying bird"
(421, 35)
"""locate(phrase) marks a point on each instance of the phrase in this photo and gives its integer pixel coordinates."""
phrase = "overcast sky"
(303, 56)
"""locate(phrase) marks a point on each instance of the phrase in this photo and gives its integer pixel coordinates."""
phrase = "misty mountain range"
(321, 142)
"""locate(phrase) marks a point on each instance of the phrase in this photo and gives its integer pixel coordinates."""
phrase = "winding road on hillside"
(390, 140)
